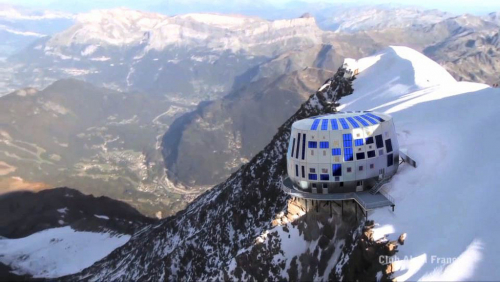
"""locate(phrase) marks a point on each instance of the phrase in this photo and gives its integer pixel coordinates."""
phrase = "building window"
(348, 155)
(369, 140)
(324, 177)
(371, 154)
(388, 145)
(324, 144)
(312, 170)
(341, 184)
(325, 186)
(349, 169)
(360, 156)
(372, 166)
(359, 183)
(379, 142)
(315, 124)
(303, 172)
(324, 124)
(336, 170)
(358, 142)
(324, 170)
(347, 140)
(298, 146)
(390, 160)
(313, 176)
(380, 152)
(314, 185)
(304, 146)
(293, 147)
(297, 170)
(360, 168)
(337, 178)
(313, 144)
(336, 152)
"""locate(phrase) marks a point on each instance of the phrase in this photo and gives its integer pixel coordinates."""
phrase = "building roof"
(341, 121)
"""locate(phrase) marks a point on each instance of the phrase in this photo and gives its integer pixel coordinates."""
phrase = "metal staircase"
(375, 189)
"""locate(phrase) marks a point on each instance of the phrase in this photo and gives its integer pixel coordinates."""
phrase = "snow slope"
(58, 251)
(448, 205)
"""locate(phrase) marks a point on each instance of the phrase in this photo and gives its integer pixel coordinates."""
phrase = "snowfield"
(448, 205)
(58, 251)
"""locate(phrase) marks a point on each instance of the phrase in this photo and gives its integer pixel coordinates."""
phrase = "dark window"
(369, 140)
(359, 183)
(372, 166)
(315, 124)
(349, 169)
(390, 160)
(341, 184)
(314, 185)
(325, 185)
(336, 170)
(358, 142)
(324, 144)
(298, 144)
(360, 168)
(293, 147)
(312, 170)
(371, 154)
(379, 141)
(303, 172)
(337, 178)
(313, 144)
(388, 145)
(360, 156)
(348, 155)
(324, 177)
(336, 152)
(324, 170)
(313, 176)
(297, 170)
(304, 146)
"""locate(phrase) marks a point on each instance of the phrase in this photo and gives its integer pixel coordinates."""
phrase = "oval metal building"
(342, 152)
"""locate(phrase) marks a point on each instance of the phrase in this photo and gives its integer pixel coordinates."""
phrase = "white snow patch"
(58, 251)
(101, 216)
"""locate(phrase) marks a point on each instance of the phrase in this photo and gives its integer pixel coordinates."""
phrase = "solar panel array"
(354, 121)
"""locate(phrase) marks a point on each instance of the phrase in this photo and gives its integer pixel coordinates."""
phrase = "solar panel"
(369, 119)
(324, 124)
(335, 125)
(375, 117)
(315, 124)
(362, 121)
(353, 122)
(344, 123)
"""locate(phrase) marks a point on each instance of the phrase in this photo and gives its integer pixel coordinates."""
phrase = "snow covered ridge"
(447, 205)
(122, 26)
(58, 251)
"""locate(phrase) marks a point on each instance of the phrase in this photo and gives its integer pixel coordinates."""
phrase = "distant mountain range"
(163, 66)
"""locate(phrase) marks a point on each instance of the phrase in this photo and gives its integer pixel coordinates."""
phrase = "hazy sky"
(454, 6)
